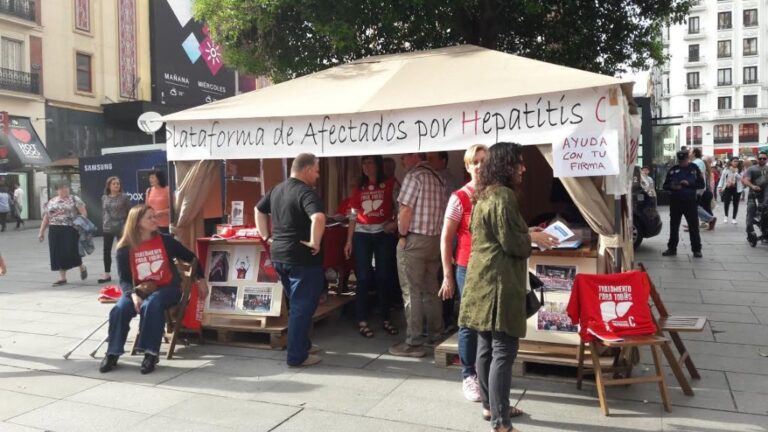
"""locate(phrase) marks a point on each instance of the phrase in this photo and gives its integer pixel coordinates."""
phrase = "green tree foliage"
(289, 38)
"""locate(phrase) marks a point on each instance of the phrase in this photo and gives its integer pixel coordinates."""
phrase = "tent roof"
(444, 76)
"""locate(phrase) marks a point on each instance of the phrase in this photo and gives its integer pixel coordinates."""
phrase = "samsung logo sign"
(98, 167)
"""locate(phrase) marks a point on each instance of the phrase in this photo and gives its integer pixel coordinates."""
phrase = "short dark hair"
(160, 176)
(60, 184)
(763, 152)
(443, 155)
(379, 162)
(697, 152)
(302, 161)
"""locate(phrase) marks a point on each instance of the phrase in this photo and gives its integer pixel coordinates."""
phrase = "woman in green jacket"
(494, 295)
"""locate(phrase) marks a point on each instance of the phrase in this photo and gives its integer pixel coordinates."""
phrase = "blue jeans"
(364, 248)
(467, 336)
(704, 216)
(151, 325)
(302, 286)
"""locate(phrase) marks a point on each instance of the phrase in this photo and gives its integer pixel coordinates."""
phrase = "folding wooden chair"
(175, 314)
(673, 325)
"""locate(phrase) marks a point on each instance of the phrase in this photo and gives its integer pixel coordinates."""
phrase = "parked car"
(646, 222)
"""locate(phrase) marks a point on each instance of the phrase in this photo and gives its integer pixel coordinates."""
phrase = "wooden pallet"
(264, 332)
(447, 355)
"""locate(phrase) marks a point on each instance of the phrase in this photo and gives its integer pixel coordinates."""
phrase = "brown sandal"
(365, 331)
(513, 412)
(390, 329)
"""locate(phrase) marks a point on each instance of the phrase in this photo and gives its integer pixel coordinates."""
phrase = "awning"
(22, 146)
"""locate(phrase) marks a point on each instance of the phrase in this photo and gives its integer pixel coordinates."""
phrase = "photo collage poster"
(551, 323)
(242, 281)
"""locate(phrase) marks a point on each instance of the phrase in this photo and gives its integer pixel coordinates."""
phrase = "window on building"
(693, 80)
(723, 49)
(693, 25)
(749, 132)
(697, 133)
(750, 75)
(84, 76)
(724, 102)
(693, 53)
(11, 54)
(750, 101)
(750, 46)
(695, 105)
(750, 17)
(723, 134)
(668, 89)
(724, 77)
(724, 20)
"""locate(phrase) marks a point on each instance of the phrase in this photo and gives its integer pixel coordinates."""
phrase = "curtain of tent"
(598, 210)
(192, 191)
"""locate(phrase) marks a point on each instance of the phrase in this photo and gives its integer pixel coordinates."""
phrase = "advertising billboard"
(187, 65)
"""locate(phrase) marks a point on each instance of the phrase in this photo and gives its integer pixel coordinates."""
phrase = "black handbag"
(532, 302)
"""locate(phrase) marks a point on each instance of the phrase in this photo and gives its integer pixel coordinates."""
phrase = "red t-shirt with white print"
(613, 305)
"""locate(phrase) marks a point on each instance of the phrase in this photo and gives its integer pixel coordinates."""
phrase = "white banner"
(543, 119)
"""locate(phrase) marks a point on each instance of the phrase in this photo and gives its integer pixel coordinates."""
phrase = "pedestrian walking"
(114, 207)
(493, 301)
(371, 236)
(456, 231)
(422, 202)
(18, 202)
(756, 180)
(730, 188)
(149, 288)
(682, 182)
(63, 239)
(298, 224)
(158, 197)
(5, 207)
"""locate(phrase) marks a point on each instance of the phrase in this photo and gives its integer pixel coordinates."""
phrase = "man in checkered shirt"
(422, 202)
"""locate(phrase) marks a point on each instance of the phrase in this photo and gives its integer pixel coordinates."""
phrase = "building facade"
(716, 78)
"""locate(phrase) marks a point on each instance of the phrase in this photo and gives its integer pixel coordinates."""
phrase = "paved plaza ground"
(359, 387)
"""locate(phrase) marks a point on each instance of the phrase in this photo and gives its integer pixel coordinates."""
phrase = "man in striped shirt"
(422, 203)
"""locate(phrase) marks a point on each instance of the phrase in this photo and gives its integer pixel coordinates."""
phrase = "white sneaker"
(471, 388)
(733, 221)
(726, 219)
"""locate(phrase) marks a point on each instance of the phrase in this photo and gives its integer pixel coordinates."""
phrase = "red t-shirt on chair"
(611, 305)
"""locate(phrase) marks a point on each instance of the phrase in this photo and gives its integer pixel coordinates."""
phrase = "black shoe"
(103, 280)
(697, 255)
(108, 363)
(669, 252)
(148, 364)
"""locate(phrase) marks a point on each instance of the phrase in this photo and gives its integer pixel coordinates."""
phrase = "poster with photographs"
(263, 299)
(218, 265)
(243, 265)
(551, 323)
(267, 272)
(223, 298)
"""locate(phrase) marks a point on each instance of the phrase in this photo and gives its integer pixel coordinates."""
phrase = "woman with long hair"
(59, 217)
(493, 302)
(456, 231)
(158, 197)
(114, 206)
(730, 188)
(150, 284)
(371, 236)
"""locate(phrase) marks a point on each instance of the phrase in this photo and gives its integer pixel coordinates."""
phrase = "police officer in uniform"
(682, 182)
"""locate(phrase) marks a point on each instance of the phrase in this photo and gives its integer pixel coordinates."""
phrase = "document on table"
(559, 230)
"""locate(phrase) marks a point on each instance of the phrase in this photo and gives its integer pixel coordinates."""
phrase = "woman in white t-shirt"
(730, 188)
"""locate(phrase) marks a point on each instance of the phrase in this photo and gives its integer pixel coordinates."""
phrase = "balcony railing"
(724, 114)
(696, 61)
(24, 9)
(18, 81)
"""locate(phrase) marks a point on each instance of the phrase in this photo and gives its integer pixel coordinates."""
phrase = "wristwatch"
(401, 235)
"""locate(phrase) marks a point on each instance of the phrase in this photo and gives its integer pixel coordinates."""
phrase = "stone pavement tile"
(694, 265)
(748, 334)
(750, 383)
(671, 273)
(744, 266)
(239, 387)
(143, 399)
(680, 296)
(309, 419)
(41, 383)
(758, 258)
(210, 349)
(424, 366)
(720, 349)
(683, 419)
(695, 284)
(711, 257)
(247, 367)
(167, 424)
(751, 286)
(729, 275)
(10, 427)
(14, 403)
(232, 413)
(704, 335)
(753, 365)
(65, 416)
(735, 298)
(725, 313)
(127, 370)
(752, 403)
(761, 313)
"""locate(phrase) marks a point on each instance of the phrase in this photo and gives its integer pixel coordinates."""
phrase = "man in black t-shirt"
(756, 180)
(298, 223)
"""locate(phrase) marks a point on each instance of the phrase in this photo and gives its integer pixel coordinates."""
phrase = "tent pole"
(171, 169)
(618, 230)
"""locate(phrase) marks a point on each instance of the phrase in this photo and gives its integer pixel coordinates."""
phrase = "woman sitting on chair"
(150, 284)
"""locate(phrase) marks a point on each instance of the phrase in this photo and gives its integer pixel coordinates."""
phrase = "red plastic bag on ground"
(193, 315)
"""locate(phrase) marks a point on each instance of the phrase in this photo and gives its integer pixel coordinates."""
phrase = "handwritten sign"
(540, 119)
(587, 154)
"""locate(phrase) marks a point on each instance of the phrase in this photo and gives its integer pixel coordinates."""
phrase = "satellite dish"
(149, 122)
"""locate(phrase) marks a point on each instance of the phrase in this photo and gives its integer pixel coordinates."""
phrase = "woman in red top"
(371, 235)
(158, 197)
(456, 229)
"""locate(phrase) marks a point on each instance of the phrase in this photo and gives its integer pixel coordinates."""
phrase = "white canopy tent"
(443, 99)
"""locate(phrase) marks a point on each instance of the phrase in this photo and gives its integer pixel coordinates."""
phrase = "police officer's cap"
(682, 155)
